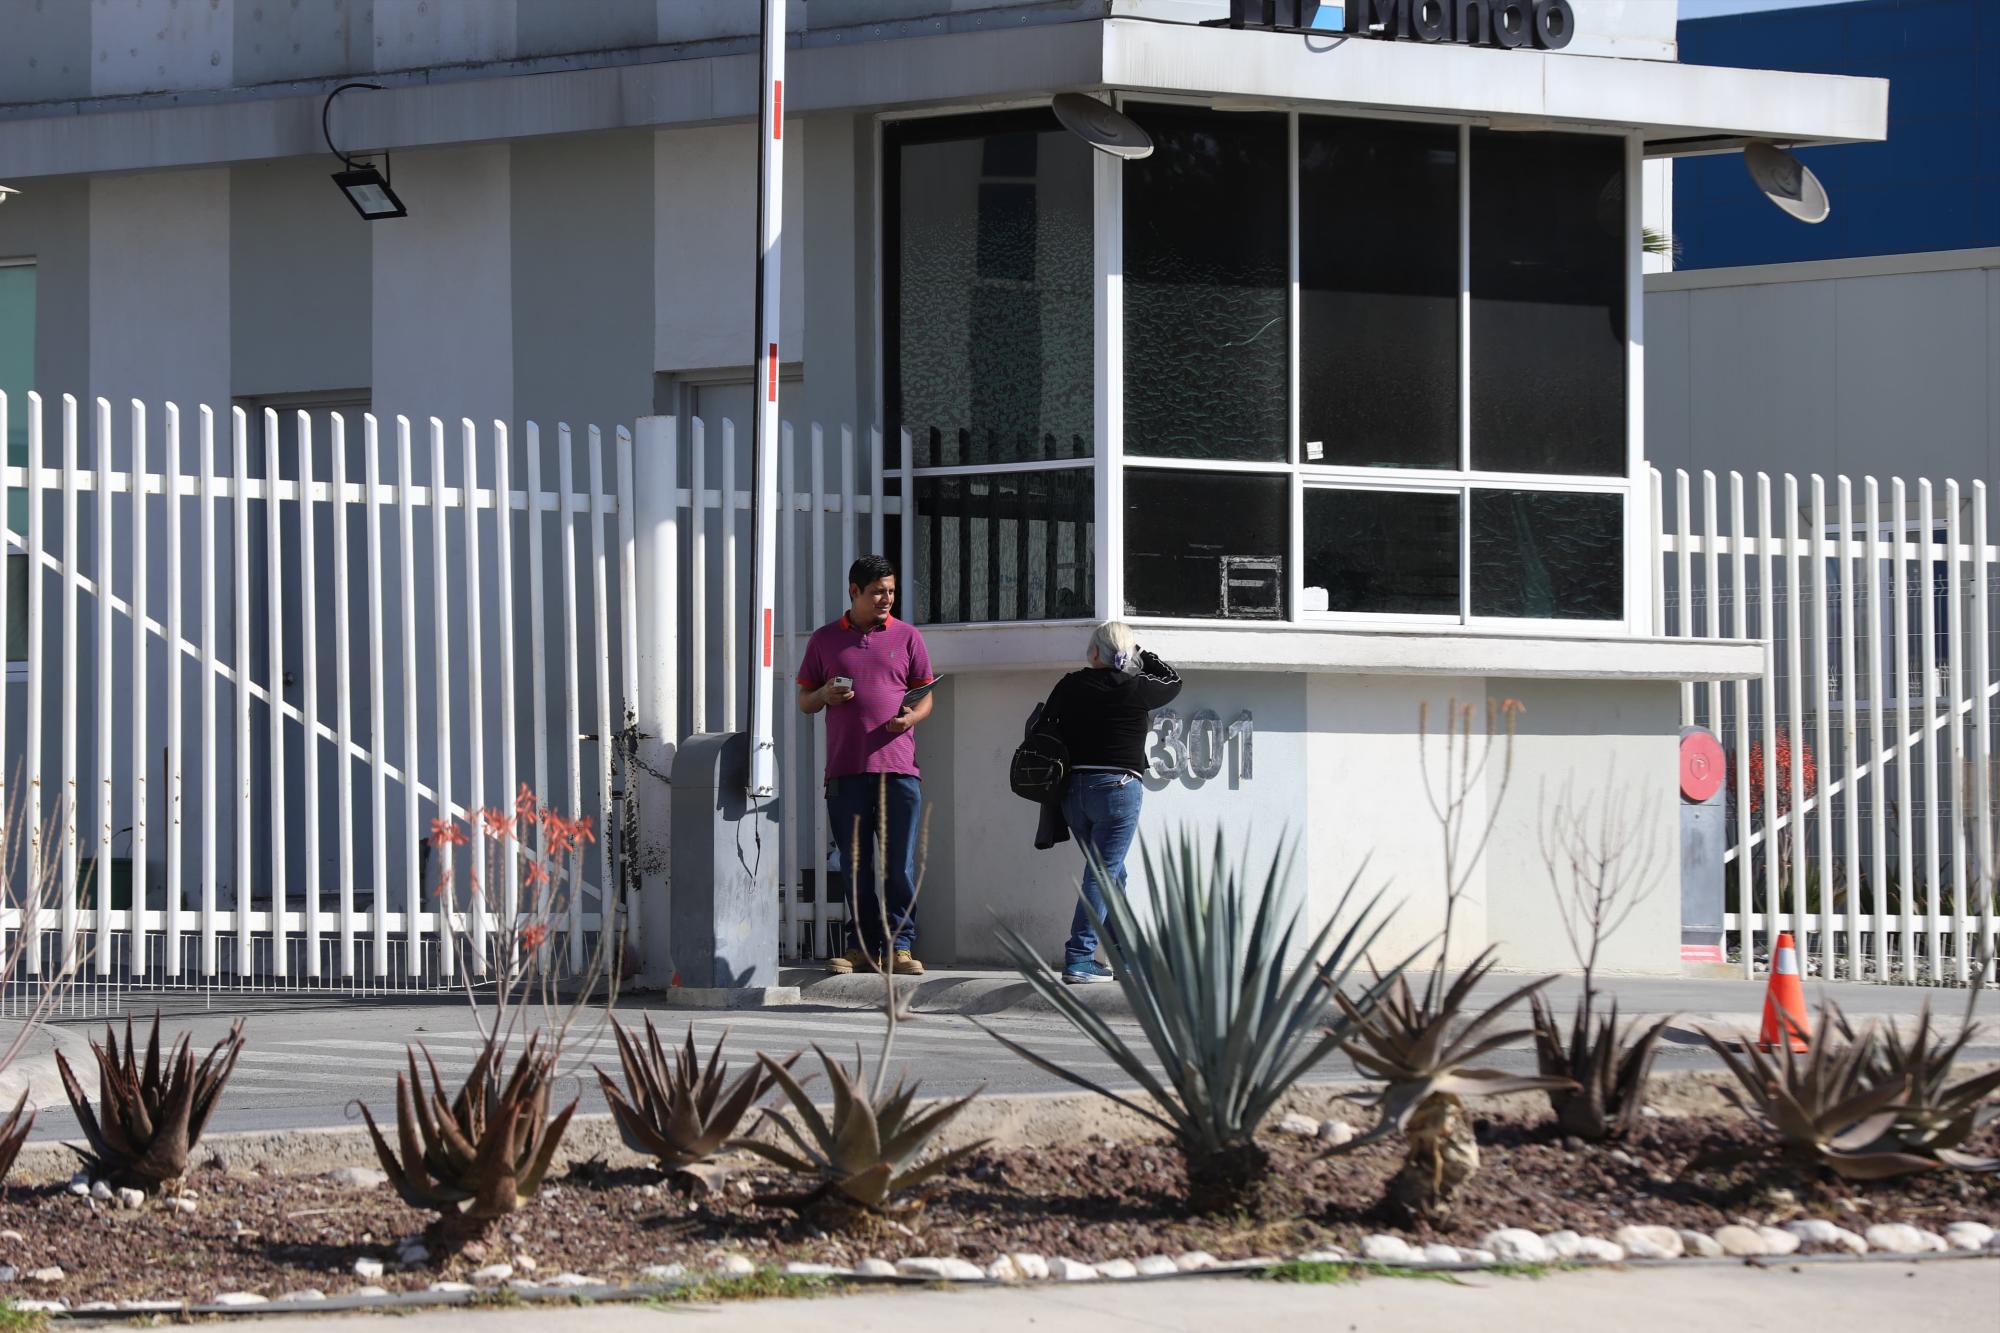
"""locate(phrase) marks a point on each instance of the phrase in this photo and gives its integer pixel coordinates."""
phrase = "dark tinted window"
(1378, 293)
(1205, 544)
(1011, 546)
(1207, 286)
(1547, 555)
(989, 318)
(1548, 303)
(1383, 551)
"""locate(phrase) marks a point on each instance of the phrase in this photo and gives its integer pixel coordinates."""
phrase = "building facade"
(1339, 395)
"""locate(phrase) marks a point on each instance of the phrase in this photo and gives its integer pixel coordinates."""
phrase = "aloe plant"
(1230, 1021)
(1424, 1051)
(867, 1151)
(676, 1110)
(148, 1117)
(1608, 1065)
(14, 1132)
(480, 1155)
(1937, 1117)
(1836, 1106)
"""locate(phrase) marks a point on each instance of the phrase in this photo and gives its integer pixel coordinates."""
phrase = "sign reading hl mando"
(1548, 24)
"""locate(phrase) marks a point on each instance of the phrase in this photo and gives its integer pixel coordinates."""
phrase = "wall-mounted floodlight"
(1787, 182)
(1102, 127)
(6, 192)
(365, 187)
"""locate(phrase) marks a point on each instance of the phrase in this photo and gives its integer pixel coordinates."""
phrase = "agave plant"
(868, 1150)
(1230, 1023)
(1424, 1051)
(148, 1117)
(1835, 1106)
(1607, 1066)
(481, 1154)
(1936, 1117)
(675, 1109)
(14, 1132)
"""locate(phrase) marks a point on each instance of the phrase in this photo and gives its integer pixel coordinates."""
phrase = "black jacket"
(1103, 717)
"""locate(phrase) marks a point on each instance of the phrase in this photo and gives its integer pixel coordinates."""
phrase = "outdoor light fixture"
(1104, 128)
(365, 187)
(7, 191)
(1787, 182)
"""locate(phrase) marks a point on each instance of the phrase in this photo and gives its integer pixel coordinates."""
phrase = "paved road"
(1828, 1298)
(307, 1060)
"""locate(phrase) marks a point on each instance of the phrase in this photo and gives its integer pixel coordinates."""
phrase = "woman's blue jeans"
(1102, 811)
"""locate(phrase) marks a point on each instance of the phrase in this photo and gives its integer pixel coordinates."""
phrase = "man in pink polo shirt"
(857, 670)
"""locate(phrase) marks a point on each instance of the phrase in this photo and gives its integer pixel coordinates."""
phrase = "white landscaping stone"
(1324, 1257)
(1968, 1235)
(184, 1204)
(1700, 1244)
(8, 1272)
(815, 1270)
(735, 1265)
(1071, 1270)
(525, 1262)
(240, 1298)
(1743, 1242)
(652, 1272)
(950, 1270)
(1156, 1265)
(571, 1280)
(1117, 1268)
(1814, 1231)
(875, 1268)
(451, 1286)
(1479, 1256)
(370, 1290)
(1649, 1242)
(1566, 1244)
(1383, 1249)
(1003, 1270)
(101, 1191)
(1302, 1125)
(41, 1307)
(357, 1177)
(131, 1198)
(1195, 1261)
(96, 1307)
(921, 1267)
(1334, 1133)
(1512, 1245)
(493, 1273)
(1781, 1241)
(1442, 1254)
(49, 1274)
(366, 1267)
(302, 1296)
(1033, 1267)
(1902, 1238)
(1600, 1250)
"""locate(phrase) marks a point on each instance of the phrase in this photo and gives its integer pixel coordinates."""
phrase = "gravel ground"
(1095, 1200)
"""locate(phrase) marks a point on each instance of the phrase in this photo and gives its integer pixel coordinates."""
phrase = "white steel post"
(770, 235)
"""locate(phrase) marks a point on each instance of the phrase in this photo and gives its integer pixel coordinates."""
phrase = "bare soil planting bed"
(1098, 1199)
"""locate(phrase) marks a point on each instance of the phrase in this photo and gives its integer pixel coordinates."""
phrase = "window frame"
(1111, 458)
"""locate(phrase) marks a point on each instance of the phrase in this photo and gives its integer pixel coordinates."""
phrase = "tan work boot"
(852, 961)
(906, 965)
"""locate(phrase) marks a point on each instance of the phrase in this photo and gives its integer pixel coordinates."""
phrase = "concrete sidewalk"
(1696, 1002)
(1829, 1298)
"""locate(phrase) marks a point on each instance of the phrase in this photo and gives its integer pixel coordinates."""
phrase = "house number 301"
(1198, 746)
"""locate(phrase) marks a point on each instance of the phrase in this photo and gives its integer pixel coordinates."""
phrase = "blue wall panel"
(1934, 184)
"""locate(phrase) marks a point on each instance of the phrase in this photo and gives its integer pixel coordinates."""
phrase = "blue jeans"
(1102, 811)
(853, 807)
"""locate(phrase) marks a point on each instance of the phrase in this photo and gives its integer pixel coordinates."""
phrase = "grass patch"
(763, 1285)
(20, 1321)
(1320, 1271)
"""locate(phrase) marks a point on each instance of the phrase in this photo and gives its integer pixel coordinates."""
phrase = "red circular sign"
(1702, 766)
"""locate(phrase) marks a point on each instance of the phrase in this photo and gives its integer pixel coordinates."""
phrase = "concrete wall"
(301, 299)
(1337, 773)
(1871, 367)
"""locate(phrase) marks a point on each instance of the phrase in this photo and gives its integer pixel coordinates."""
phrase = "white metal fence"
(259, 654)
(1862, 775)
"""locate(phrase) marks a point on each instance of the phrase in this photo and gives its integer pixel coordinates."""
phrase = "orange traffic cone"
(1785, 996)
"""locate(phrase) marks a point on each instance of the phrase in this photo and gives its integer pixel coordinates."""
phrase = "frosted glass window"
(1385, 552)
(1547, 555)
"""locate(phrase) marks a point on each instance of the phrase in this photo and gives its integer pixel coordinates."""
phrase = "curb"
(534, 1294)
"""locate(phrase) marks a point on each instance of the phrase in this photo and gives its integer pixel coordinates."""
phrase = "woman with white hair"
(1102, 713)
